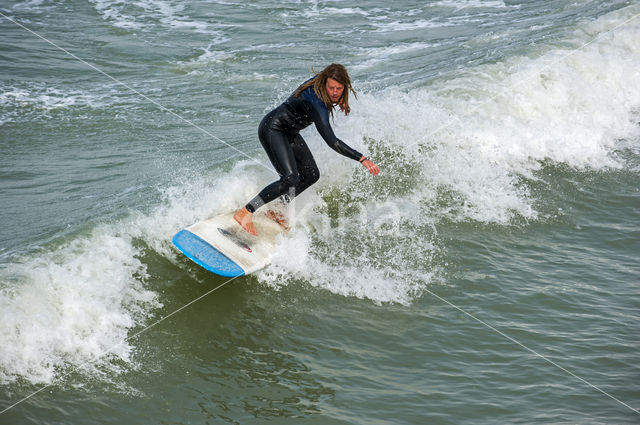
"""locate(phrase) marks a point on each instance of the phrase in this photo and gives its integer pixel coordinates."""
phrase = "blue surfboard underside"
(206, 255)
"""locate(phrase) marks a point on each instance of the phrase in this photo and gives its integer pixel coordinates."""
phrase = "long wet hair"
(336, 72)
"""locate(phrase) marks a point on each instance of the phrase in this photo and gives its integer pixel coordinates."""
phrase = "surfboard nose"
(205, 255)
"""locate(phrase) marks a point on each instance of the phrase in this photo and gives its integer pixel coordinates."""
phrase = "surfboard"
(221, 246)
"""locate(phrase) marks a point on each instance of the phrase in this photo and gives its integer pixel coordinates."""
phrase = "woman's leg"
(282, 156)
(293, 161)
(307, 168)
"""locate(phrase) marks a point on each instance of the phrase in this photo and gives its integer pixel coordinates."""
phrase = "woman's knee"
(291, 179)
(313, 175)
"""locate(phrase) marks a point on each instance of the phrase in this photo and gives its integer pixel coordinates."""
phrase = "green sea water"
(489, 275)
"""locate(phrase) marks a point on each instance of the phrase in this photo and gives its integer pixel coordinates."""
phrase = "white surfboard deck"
(221, 246)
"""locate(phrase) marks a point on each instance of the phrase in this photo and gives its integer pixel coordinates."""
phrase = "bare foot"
(243, 217)
(278, 218)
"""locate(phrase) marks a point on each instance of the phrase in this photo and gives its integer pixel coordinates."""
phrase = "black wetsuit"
(279, 133)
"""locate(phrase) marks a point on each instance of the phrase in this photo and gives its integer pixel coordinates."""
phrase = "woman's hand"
(371, 167)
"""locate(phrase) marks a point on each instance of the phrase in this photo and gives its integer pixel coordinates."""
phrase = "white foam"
(334, 259)
(373, 56)
(473, 4)
(464, 147)
(480, 131)
(74, 306)
(45, 97)
(113, 11)
(207, 63)
(18, 102)
(413, 25)
(70, 307)
(33, 6)
(146, 14)
(457, 149)
(316, 11)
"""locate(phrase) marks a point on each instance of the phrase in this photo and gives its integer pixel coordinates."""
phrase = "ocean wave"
(148, 14)
(460, 149)
(473, 4)
(412, 25)
(480, 131)
(72, 307)
(33, 101)
(373, 56)
(16, 100)
(463, 149)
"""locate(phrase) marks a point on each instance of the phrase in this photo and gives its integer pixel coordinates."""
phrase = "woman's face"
(334, 90)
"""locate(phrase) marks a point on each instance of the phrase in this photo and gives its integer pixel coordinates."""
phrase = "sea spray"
(463, 148)
(72, 306)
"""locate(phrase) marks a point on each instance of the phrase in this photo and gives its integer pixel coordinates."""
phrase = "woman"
(279, 134)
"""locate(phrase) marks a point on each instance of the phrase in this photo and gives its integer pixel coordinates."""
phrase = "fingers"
(371, 167)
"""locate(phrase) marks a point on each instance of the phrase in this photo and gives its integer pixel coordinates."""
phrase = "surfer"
(279, 134)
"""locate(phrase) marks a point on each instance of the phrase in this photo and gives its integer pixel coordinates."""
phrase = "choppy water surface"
(490, 274)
